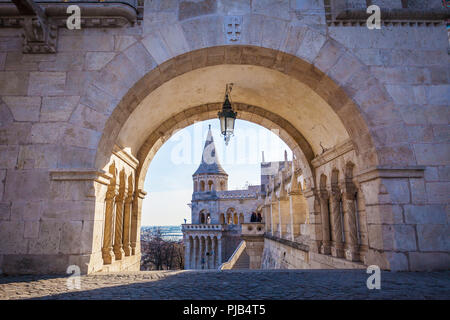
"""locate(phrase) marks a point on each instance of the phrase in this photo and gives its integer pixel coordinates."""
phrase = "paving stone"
(242, 284)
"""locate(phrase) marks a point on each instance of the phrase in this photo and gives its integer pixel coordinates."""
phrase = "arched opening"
(306, 115)
(202, 217)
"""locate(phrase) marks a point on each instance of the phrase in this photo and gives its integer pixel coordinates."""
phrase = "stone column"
(200, 255)
(315, 219)
(194, 263)
(118, 229)
(325, 248)
(214, 244)
(139, 195)
(297, 206)
(337, 248)
(107, 249)
(187, 253)
(284, 216)
(127, 224)
(350, 228)
(208, 250)
(219, 251)
(275, 219)
(267, 218)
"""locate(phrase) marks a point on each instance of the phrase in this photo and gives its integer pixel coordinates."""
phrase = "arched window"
(202, 185)
(201, 217)
(241, 218)
(210, 185)
(195, 186)
(222, 218)
(222, 185)
(230, 213)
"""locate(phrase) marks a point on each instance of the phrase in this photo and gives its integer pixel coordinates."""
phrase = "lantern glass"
(222, 124)
(230, 124)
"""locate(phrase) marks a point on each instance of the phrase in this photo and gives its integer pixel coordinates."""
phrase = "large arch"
(274, 89)
(387, 96)
(337, 94)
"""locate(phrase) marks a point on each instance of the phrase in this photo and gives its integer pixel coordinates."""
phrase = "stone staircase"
(243, 262)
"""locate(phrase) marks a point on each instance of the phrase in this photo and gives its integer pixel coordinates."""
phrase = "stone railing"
(234, 257)
(394, 12)
(203, 227)
(94, 13)
(252, 229)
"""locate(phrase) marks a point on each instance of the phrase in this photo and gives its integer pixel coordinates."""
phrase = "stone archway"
(339, 93)
(338, 85)
(173, 100)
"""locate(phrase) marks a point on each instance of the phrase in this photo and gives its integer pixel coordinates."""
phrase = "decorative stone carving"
(233, 28)
(325, 246)
(336, 224)
(350, 227)
(107, 249)
(38, 36)
(127, 222)
(118, 228)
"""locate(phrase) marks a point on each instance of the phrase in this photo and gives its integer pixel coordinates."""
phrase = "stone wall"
(278, 255)
(386, 90)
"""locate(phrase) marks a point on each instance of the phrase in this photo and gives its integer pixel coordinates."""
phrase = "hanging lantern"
(227, 116)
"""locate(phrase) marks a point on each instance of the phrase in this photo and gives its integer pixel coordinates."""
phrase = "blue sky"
(169, 179)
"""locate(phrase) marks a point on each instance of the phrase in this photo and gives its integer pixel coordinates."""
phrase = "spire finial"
(209, 127)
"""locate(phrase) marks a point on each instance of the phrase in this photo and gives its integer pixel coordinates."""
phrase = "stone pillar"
(107, 249)
(391, 196)
(298, 209)
(284, 216)
(194, 263)
(208, 250)
(315, 219)
(275, 219)
(187, 253)
(219, 251)
(350, 227)
(325, 248)
(127, 223)
(337, 248)
(362, 224)
(136, 221)
(201, 253)
(118, 229)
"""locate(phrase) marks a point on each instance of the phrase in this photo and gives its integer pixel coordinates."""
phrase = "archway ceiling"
(254, 85)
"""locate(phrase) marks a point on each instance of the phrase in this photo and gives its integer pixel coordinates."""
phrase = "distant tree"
(160, 254)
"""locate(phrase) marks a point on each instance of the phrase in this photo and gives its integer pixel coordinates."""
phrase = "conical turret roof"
(210, 162)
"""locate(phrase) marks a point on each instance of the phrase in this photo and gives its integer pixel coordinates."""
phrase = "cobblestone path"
(239, 284)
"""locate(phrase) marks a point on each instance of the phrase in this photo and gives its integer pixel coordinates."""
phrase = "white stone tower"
(209, 178)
